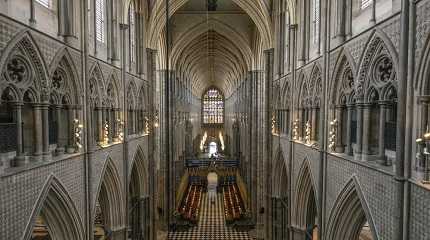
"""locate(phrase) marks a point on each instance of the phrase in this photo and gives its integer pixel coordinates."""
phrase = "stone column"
(45, 118)
(359, 143)
(340, 148)
(314, 123)
(100, 124)
(366, 129)
(341, 17)
(60, 146)
(20, 158)
(115, 124)
(373, 17)
(66, 18)
(349, 150)
(37, 133)
(381, 143)
(424, 113)
(32, 19)
(301, 122)
(71, 130)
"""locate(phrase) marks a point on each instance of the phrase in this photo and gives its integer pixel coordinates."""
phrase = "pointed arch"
(138, 174)
(377, 46)
(131, 94)
(349, 213)
(343, 78)
(422, 82)
(316, 84)
(24, 54)
(257, 11)
(280, 174)
(59, 212)
(112, 92)
(110, 196)
(96, 83)
(63, 62)
(220, 27)
(286, 95)
(303, 90)
(306, 197)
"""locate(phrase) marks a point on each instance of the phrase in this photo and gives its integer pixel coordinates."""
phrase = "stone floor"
(211, 224)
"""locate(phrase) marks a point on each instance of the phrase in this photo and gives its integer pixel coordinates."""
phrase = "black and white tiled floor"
(211, 225)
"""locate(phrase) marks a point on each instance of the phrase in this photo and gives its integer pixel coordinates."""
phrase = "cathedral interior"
(214, 119)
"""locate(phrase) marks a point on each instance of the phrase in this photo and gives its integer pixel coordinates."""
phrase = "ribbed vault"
(211, 59)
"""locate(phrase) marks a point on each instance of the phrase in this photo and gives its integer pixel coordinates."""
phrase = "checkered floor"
(211, 225)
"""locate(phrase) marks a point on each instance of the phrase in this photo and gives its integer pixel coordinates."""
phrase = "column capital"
(424, 99)
(123, 26)
(384, 103)
(339, 106)
(17, 104)
(40, 105)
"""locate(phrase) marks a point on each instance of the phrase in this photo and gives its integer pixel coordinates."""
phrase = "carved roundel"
(348, 80)
(59, 80)
(18, 71)
(383, 71)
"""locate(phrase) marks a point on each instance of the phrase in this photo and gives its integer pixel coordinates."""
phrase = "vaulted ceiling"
(214, 42)
(211, 44)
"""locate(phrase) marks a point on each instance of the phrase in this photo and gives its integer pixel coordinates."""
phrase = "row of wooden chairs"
(233, 205)
(190, 206)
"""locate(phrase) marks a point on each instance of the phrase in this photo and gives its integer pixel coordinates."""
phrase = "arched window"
(366, 3)
(213, 107)
(316, 20)
(100, 20)
(45, 3)
(287, 55)
(132, 33)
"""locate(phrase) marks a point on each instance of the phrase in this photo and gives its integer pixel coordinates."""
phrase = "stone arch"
(219, 27)
(131, 94)
(139, 170)
(344, 70)
(112, 92)
(110, 197)
(349, 213)
(256, 10)
(280, 175)
(303, 90)
(422, 82)
(64, 60)
(24, 67)
(59, 212)
(306, 204)
(96, 83)
(286, 95)
(305, 188)
(378, 47)
(138, 192)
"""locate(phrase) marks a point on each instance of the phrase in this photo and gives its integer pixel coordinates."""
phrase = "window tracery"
(213, 107)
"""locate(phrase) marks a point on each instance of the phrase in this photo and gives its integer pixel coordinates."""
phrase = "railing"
(7, 137)
(206, 162)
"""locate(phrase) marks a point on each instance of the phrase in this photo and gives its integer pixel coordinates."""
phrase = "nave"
(211, 225)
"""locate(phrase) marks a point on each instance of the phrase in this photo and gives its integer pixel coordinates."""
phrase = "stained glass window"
(132, 33)
(100, 20)
(316, 20)
(45, 3)
(213, 107)
(366, 3)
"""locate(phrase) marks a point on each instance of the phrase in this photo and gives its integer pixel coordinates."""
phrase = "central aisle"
(211, 224)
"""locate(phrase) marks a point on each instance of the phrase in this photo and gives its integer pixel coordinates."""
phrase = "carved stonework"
(17, 70)
(383, 71)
